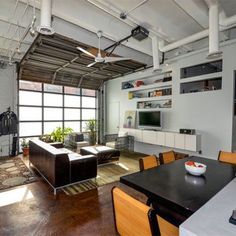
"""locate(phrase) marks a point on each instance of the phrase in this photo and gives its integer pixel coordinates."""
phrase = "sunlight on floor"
(14, 196)
(123, 166)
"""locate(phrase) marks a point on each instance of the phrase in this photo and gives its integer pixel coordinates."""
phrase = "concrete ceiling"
(169, 20)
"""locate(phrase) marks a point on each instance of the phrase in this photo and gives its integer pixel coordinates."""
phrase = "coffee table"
(104, 154)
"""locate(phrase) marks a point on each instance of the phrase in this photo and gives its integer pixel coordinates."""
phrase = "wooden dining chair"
(133, 218)
(167, 157)
(228, 157)
(148, 162)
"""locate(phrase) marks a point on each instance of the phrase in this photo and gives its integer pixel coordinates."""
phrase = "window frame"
(63, 107)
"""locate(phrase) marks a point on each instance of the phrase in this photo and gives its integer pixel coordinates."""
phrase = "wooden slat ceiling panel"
(47, 55)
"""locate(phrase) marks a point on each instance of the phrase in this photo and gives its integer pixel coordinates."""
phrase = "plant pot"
(25, 151)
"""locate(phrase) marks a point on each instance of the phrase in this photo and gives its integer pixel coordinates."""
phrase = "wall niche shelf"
(201, 78)
(201, 86)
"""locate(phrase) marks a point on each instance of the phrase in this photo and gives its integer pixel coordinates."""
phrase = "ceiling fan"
(99, 57)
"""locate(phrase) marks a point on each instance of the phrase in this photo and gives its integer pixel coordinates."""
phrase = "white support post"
(214, 32)
(155, 54)
(46, 15)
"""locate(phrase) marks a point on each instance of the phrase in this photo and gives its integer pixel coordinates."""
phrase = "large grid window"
(43, 107)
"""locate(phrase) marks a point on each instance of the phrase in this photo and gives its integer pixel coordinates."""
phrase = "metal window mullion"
(80, 109)
(42, 108)
(63, 108)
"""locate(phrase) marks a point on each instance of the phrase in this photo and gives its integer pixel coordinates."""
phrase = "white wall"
(8, 98)
(210, 113)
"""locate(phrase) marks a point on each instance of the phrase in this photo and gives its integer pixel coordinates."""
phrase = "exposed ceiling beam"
(2, 19)
(57, 12)
(15, 40)
(197, 10)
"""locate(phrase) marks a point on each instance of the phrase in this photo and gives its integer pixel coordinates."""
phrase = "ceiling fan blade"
(91, 64)
(86, 52)
(114, 59)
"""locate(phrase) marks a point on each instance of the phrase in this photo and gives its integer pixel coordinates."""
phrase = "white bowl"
(197, 171)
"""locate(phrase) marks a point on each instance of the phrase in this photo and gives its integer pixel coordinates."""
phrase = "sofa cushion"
(111, 144)
(76, 137)
(122, 133)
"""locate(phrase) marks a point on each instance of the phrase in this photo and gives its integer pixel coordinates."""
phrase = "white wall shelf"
(157, 76)
(154, 109)
(157, 98)
(152, 86)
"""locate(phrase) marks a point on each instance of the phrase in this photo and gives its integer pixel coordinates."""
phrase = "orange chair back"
(228, 157)
(148, 162)
(133, 218)
(167, 157)
(166, 228)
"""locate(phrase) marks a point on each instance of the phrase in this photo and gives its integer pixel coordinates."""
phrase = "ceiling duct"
(214, 32)
(46, 15)
(225, 23)
(155, 54)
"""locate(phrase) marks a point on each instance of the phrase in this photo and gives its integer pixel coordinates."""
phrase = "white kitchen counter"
(212, 219)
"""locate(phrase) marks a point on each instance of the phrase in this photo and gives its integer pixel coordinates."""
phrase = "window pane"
(84, 126)
(30, 98)
(72, 101)
(30, 85)
(74, 125)
(53, 100)
(89, 92)
(52, 88)
(88, 102)
(52, 113)
(50, 126)
(72, 114)
(30, 113)
(88, 114)
(30, 128)
(72, 90)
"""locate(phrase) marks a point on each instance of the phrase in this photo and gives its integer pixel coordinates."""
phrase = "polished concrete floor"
(33, 210)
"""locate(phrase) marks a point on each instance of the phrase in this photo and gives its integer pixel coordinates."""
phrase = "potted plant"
(25, 147)
(59, 133)
(91, 126)
(46, 138)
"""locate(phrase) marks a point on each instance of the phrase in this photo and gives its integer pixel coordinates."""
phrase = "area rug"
(13, 172)
(108, 173)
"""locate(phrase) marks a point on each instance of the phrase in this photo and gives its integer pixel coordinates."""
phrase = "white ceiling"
(170, 20)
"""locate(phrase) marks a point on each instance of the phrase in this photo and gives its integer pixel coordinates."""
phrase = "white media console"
(168, 139)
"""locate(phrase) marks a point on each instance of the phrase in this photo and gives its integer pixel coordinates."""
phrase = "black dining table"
(176, 194)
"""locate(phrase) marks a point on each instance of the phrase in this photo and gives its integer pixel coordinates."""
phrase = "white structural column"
(155, 54)
(46, 15)
(213, 31)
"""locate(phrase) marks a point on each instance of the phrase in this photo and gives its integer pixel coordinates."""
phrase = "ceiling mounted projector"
(139, 33)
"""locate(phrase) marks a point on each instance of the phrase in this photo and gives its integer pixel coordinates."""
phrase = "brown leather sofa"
(61, 167)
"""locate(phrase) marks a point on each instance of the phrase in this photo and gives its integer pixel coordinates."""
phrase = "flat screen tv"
(149, 120)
